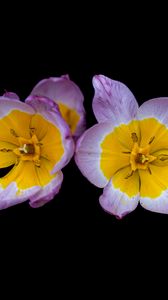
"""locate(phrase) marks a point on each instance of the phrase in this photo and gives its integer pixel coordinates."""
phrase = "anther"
(134, 137)
(149, 170)
(151, 140)
(163, 157)
(129, 175)
(5, 150)
(126, 152)
(37, 163)
(32, 130)
(12, 131)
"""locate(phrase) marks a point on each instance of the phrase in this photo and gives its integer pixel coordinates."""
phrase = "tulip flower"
(126, 153)
(36, 142)
(69, 98)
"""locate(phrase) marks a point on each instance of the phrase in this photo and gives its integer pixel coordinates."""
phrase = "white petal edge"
(159, 204)
(11, 95)
(116, 202)
(9, 196)
(47, 193)
(154, 108)
(7, 105)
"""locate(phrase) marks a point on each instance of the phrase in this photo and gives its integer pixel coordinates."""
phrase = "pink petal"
(48, 192)
(159, 204)
(7, 105)
(113, 101)
(116, 202)
(154, 108)
(11, 95)
(88, 153)
(63, 90)
(9, 196)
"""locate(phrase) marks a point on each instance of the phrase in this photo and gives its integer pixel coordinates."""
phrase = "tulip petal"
(154, 123)
(154, 189)
(113, 101)
(19, 184)
(11, 95)
(155, 108)
(48, 192)
(8, 105)
(68, 96)
(99, 153)
(13, 114)
(121, 195)
(7, 157)
(28, 181)
(9, 196)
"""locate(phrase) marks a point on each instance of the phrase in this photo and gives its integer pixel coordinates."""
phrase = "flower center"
(28, 150)
(140, 158)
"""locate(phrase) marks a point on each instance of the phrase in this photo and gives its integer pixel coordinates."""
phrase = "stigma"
(29, 150)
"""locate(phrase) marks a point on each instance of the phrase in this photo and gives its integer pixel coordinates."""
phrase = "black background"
(122, 49)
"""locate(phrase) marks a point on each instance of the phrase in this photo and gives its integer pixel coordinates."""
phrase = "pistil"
(140, 157)
(29, 150)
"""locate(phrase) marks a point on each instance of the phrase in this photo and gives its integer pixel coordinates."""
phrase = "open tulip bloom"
(69, 98)
(37, 142)
(126, 153)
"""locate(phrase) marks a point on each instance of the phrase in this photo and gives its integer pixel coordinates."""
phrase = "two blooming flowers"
(126, 153)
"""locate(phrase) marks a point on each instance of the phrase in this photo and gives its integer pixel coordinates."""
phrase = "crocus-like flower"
(37, 142)
(126, 153)
(69, 98)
